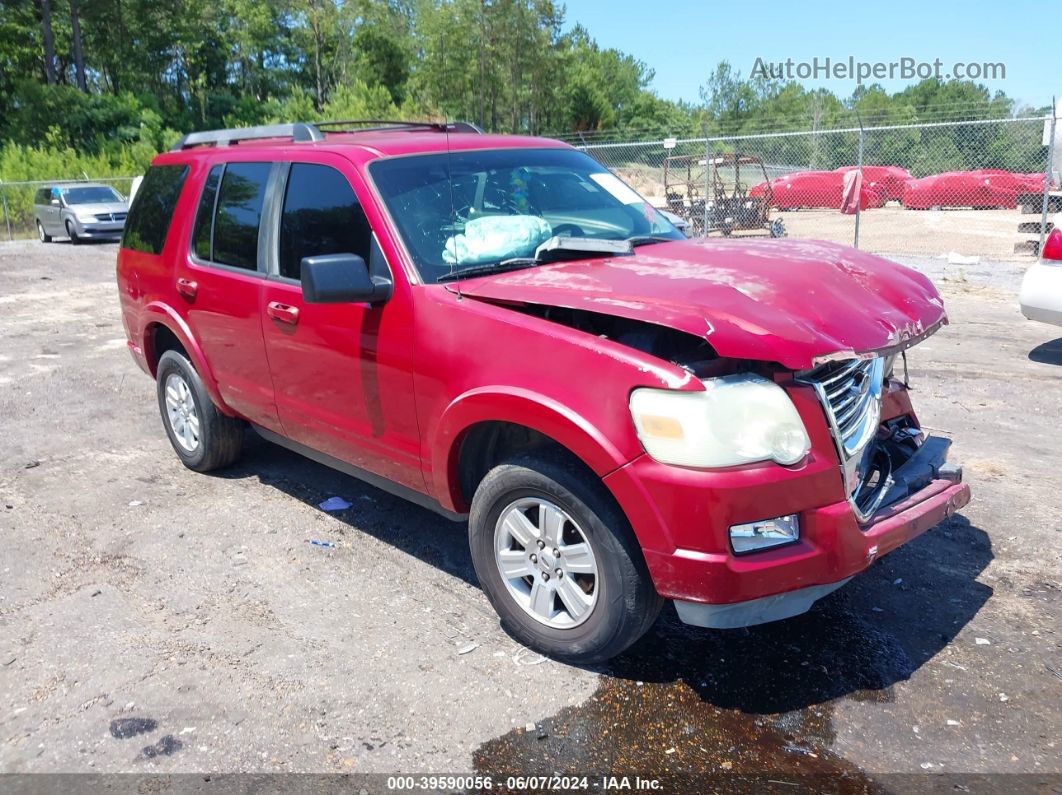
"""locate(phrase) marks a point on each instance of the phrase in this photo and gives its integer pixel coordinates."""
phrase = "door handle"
(283, 312)
(187, 287)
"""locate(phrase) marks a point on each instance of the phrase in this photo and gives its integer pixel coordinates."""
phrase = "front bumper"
(718, 589)
(1041, 293)
(754, 611)
(99, 229)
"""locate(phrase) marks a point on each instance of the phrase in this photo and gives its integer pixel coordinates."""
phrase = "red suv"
(500, 329)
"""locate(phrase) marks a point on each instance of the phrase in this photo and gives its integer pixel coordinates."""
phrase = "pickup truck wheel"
(203, 437)
(559, 561)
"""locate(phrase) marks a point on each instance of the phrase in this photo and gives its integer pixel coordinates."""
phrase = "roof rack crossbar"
(299, 132)
(453, 126)
(380, 122)
(306, 132)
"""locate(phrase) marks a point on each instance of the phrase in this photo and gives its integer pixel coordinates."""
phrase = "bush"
(24, 163)
(62, 116)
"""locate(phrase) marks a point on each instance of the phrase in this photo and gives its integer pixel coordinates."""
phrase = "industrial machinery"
(712, 194)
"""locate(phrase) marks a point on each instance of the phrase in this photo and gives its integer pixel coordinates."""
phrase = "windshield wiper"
(560, 246)
(643, 240)
(483, 270)
(556, 248)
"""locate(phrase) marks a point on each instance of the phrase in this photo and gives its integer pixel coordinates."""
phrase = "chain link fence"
(967, 189)
(16, 201)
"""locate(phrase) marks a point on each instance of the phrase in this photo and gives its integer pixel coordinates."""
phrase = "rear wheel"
(72, 233)
(44, 236)
(203, 437)
(559, 561)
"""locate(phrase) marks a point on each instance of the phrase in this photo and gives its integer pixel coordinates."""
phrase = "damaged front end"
(882, 461)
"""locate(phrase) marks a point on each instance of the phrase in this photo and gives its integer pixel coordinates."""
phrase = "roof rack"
(387, 124)
(306, 132)
(298, 132)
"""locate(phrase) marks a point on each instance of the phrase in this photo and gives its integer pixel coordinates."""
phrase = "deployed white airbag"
(496, 237)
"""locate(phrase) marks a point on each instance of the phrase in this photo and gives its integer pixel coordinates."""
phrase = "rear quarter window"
(152, 210)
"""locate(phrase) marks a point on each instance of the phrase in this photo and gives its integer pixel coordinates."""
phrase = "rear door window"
(322, 215)
(149, 217)
(239, 214)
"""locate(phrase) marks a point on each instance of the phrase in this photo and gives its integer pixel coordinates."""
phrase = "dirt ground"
(157, 620)
(988, 234)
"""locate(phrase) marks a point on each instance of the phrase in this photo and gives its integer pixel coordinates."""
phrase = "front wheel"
(72, 234)
(559, 561)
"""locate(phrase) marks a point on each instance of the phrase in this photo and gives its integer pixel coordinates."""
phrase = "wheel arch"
(162, 327)
(484, 426)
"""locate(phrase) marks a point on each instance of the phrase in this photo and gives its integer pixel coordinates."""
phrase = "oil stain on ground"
(164, 747)
(686, 705)
(124, 728)
(752, 706)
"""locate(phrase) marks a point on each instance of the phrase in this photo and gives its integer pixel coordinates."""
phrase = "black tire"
(44, 236)
(220, 437)
(627, 604)
(74, 239)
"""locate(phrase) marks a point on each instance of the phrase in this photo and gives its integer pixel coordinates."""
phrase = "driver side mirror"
(54, 201)
(341, 279)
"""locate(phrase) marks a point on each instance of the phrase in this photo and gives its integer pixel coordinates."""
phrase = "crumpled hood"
(785, 301)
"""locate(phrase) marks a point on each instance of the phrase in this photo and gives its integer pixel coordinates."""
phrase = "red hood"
(784, 301)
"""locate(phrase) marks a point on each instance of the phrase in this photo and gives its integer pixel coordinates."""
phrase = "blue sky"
(682, 40)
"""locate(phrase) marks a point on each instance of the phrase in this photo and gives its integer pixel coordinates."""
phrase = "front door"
(342, 373)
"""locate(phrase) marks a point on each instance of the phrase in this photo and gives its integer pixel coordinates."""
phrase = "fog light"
(754, 536)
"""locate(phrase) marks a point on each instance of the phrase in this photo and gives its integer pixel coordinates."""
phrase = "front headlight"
(738, 419)
(86, 218)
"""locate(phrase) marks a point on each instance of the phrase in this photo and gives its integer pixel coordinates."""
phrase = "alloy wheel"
(181, 412)
(546, 562)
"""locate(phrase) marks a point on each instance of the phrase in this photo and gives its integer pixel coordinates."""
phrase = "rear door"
(342, 373)
(222, 282)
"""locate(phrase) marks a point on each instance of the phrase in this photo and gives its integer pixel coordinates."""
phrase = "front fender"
(158, 313)
(520, 407)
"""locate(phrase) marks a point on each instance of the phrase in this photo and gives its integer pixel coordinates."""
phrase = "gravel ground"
(156, 620)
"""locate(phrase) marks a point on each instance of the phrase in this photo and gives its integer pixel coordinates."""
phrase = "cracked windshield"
(504, 205)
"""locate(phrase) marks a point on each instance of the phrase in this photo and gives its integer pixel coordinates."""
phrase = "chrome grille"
(850, 392)
(110, 216)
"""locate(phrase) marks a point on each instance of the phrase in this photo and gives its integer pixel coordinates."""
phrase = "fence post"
(7, 215)
(707, 182)
(1047, 177)
(859, 193)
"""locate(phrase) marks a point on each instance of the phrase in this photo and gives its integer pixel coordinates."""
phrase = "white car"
(1041, 289)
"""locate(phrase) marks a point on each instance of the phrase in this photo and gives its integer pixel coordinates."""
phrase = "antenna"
(453, 206)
